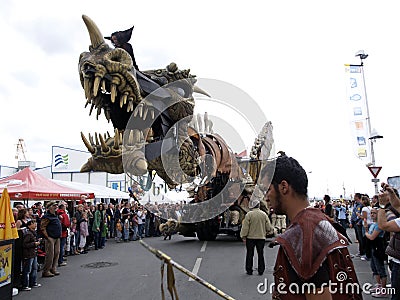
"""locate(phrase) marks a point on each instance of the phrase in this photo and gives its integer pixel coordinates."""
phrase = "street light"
(373, 133)
(362, 55)
(374, 136)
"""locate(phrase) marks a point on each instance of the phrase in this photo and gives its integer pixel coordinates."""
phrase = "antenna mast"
(20, 150)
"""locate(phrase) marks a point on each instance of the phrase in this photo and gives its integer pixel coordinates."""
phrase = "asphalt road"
(131, 272)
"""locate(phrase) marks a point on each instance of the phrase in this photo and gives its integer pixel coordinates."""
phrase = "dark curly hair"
(288, 169)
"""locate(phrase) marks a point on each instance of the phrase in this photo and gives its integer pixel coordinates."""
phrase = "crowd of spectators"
(87, 227)
(369, 218)
(50, 233)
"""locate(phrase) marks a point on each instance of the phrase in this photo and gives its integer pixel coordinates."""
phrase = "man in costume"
(313, 260)
(120, 39)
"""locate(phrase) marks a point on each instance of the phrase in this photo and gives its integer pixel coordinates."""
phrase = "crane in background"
(21, 149)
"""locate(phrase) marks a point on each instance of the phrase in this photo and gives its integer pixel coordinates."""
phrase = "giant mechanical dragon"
(155, 130)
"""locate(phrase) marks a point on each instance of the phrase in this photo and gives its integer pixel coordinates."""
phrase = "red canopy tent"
(28, 185)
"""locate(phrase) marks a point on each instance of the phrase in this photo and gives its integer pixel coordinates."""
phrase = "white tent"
(98, 190)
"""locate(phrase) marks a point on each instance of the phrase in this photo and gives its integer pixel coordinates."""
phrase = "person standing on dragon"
(120, 39)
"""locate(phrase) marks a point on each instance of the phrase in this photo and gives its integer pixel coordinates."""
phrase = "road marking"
(196, 268)
(203, 248)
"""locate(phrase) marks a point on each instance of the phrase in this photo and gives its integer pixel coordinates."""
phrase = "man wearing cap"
(51, 229)
(38, 209)
(253, 234)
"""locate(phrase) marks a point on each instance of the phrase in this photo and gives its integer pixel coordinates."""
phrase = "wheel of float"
(207, 231)
(237, 235)
(200, 234)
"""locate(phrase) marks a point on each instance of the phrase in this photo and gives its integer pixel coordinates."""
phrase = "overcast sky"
(288, 56)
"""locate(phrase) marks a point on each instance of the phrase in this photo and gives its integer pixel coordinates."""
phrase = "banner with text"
(355, 93)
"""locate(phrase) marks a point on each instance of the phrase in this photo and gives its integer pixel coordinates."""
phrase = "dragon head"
(142, 107)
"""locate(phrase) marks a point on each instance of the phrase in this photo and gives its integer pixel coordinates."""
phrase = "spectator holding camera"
(389, 201)
(341, 211)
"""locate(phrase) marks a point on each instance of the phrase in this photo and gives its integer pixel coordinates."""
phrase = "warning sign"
(374, 170)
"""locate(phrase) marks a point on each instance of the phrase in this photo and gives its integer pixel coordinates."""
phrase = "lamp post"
(344, 191)
(374, 136)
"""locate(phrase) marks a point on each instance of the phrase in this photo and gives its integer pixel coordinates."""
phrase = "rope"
(171, 278)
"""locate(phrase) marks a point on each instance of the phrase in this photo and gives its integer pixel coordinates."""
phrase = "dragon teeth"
(86, 87)
(146, 110)
(91, 139)
(113, 92)
(130, 139)
(96, 138)
(116, 139)
(104, 147)
(96, 85)
(107, 114)
(140, 110)
(87, 144)
(91, 109)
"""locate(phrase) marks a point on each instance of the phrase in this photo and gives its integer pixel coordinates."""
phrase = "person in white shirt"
(366, 222)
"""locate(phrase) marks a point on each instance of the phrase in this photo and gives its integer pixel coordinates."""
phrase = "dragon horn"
(96, 38)
(196, 89)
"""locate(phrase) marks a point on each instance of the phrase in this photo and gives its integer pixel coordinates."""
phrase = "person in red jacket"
(65, 223)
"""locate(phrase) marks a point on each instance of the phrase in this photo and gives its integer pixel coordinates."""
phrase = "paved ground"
(129, 271)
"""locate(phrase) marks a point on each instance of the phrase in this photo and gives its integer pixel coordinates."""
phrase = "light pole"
(344, 191)
(374, 136)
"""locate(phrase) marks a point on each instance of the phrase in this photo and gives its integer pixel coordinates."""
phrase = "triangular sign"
(374, 170)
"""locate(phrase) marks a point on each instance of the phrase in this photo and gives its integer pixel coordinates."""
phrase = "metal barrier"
(171, 278)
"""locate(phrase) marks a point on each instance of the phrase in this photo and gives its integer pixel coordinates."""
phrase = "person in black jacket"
(110, 220)
(29, 254)
(329, 211)
(51, 230)
(120, 39)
